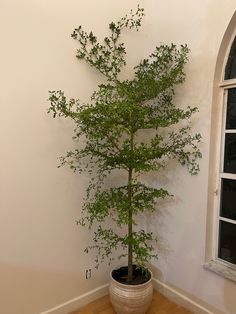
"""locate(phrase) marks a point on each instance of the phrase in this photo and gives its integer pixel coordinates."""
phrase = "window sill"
(221, 269)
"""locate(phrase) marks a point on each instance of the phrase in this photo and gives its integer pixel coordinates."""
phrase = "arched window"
(230, 69)
(221, 233)
(227, 176)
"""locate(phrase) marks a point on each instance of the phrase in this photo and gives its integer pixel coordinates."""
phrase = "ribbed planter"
(131, 299)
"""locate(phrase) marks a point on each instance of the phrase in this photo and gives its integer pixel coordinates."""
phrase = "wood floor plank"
(160, 305)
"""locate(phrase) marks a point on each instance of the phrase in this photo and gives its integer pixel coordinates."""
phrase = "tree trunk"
(130, 231)
(130, 213)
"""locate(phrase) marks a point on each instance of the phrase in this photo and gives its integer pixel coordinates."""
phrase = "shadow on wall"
(229, 296)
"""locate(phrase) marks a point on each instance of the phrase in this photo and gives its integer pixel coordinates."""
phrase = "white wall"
(42, 261)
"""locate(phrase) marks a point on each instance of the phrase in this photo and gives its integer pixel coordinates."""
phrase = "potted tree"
(133, 127)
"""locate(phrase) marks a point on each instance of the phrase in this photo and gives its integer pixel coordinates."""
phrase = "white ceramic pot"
(131, 299)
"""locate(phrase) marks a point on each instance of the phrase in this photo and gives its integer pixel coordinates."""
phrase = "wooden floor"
(160, 305)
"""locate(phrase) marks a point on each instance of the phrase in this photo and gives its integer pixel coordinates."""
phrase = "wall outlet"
(88, 273)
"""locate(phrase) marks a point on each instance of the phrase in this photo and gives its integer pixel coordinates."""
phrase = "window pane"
(227, 242)
(231, 109)
(230, 153)
(228, 199)
(230, 70)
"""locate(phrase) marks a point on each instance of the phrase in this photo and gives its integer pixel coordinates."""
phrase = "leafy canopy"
(110, 127)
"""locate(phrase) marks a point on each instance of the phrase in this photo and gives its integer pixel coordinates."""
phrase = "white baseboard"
(101, 291)
(179, 298)
(79, 302)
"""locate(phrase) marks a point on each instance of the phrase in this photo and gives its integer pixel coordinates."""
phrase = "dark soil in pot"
(139, 276)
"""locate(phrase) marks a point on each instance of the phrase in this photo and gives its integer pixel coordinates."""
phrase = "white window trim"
(212, 261)
(221, 269)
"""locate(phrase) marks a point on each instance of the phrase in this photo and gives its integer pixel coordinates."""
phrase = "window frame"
(221, 174)
(216, 161)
